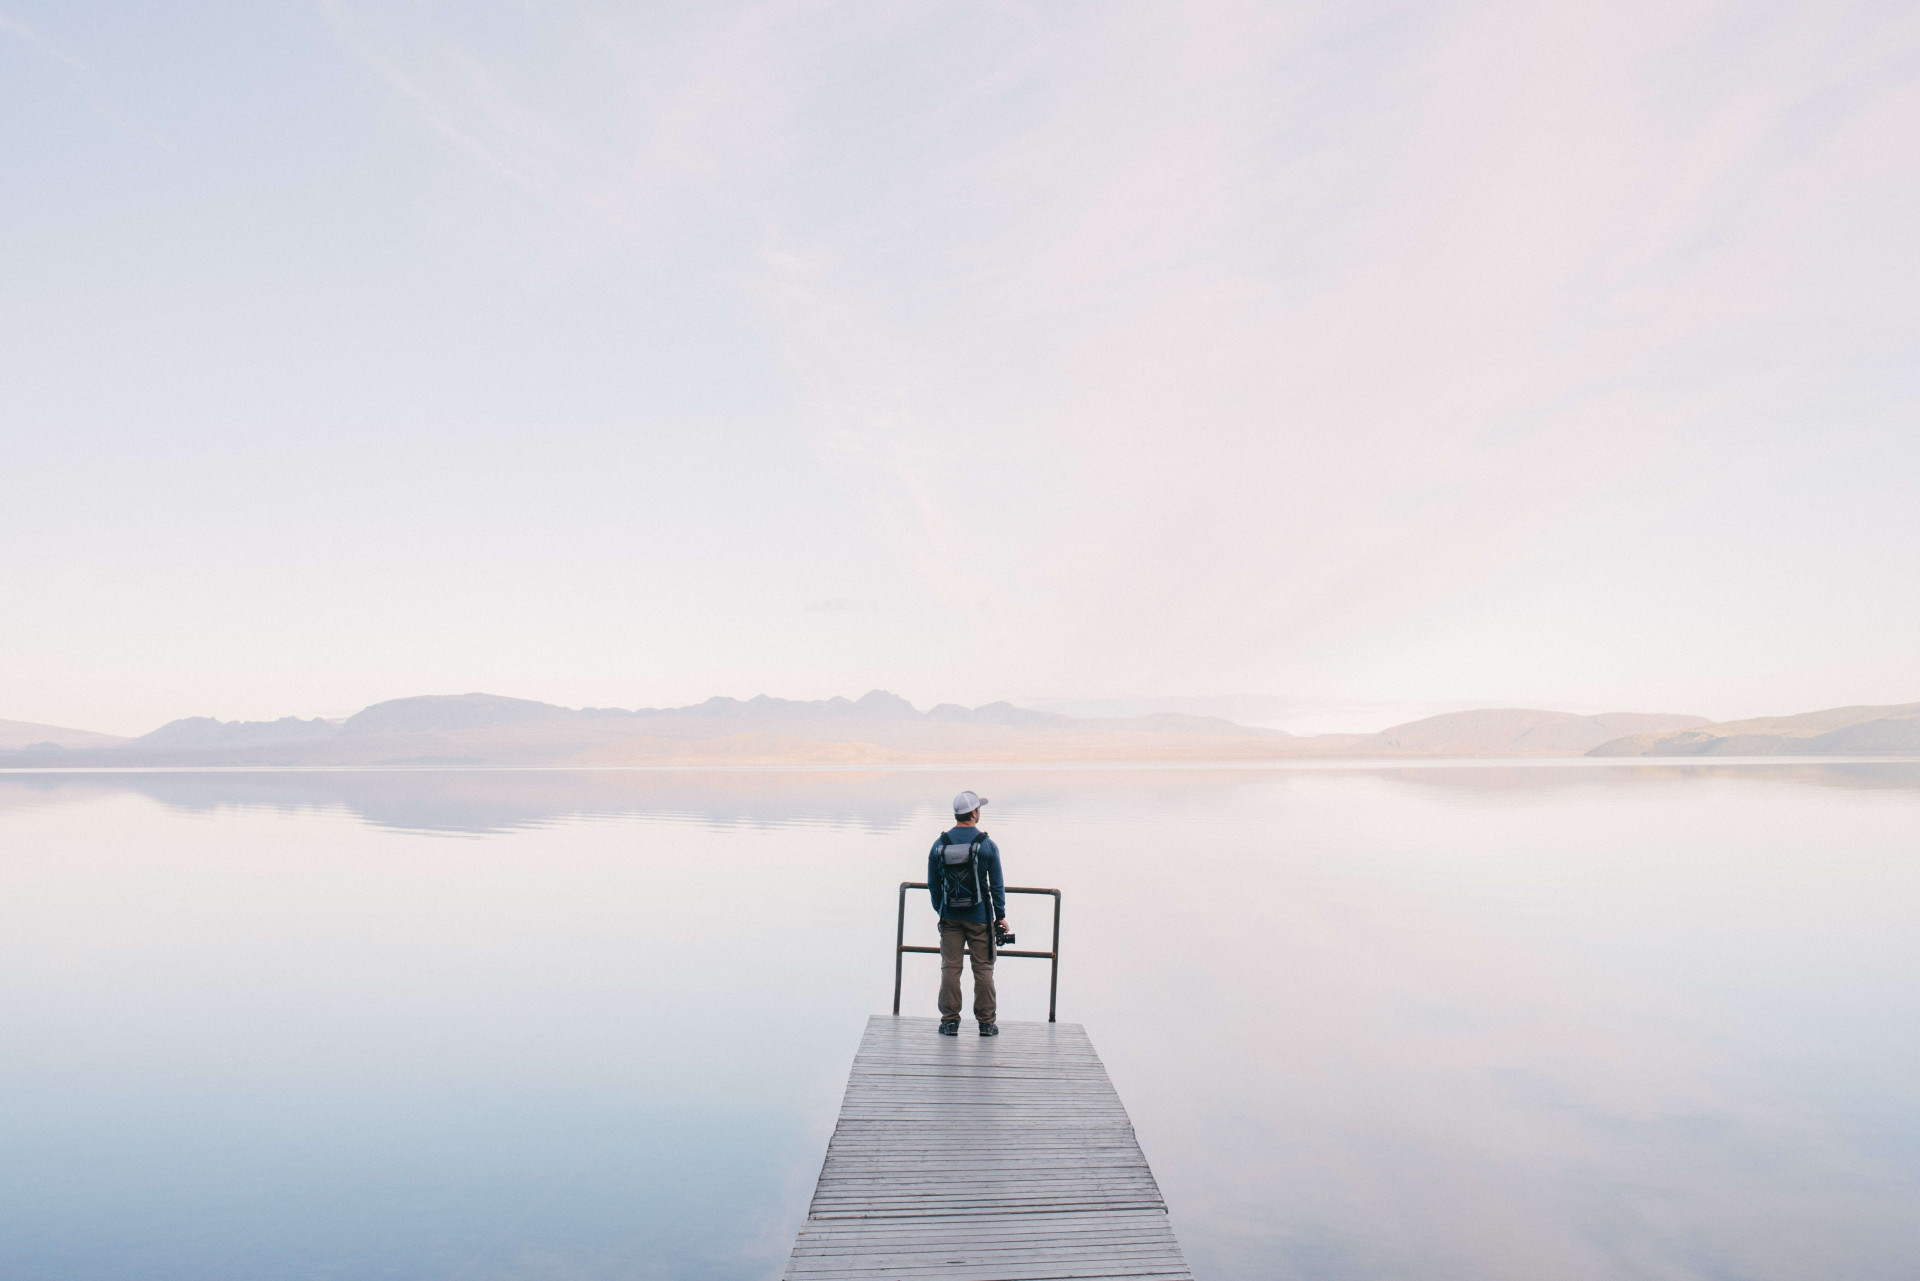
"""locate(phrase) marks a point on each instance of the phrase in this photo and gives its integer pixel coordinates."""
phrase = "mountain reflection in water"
(479, 801)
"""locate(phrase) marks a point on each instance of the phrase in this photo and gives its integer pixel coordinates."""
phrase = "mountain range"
(881, 728)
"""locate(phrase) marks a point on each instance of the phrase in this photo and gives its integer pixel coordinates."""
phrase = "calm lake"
(1563, 1020)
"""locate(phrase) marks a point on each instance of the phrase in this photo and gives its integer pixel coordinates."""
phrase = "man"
(963, 875)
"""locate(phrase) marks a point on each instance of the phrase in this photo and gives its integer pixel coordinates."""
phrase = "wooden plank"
(972, 1158)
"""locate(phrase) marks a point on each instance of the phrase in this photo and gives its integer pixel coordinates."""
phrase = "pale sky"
(1541, 354)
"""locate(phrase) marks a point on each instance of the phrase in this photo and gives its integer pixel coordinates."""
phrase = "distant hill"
(876, 728)
(452, 713)
(1522, 732)
(1837, 731)
(18, 736)
(203, 733)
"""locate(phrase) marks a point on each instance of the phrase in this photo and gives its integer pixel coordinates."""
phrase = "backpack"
(960, 871)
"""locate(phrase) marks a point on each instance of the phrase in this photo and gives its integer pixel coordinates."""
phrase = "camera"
(1002, 936)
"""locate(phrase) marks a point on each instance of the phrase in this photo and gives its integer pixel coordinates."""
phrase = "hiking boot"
(989, 1029)
(949, 1027)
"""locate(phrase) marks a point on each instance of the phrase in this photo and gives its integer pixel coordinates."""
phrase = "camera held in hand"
(1002, 936)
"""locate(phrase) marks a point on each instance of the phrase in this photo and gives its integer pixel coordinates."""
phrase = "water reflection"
(480, 801)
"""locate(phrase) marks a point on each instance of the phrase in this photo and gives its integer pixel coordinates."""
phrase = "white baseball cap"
(968, 802)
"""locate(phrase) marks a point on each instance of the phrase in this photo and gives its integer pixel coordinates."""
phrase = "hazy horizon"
(880, 728)
(1303, 717)
(1348, 356)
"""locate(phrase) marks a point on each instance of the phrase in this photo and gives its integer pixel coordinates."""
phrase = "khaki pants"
(977, 940)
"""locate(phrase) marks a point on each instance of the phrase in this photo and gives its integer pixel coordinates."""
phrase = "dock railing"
(901, 947)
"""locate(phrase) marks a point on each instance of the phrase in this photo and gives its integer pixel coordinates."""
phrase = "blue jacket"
(989, 859)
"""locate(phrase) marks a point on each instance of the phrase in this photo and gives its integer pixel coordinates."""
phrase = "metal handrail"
(901, 947)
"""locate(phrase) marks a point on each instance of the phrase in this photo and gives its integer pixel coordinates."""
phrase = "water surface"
(1474, 1021)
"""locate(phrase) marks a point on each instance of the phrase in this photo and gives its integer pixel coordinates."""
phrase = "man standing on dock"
(963, 875)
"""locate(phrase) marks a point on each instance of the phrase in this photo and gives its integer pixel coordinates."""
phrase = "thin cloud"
(95, 103)
(20, 30)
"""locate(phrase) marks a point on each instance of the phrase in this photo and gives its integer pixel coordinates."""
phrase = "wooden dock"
(976, 1158)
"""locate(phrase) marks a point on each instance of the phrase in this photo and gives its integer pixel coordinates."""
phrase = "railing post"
(1053, 979)
(899, 938)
